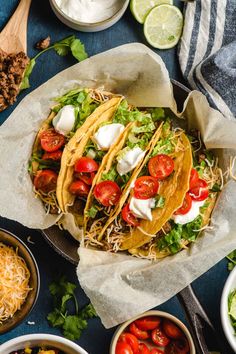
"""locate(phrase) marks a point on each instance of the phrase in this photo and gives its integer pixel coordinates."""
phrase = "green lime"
(140, 8)
(163, 26)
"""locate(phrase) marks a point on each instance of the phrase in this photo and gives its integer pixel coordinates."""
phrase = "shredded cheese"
(14, 282)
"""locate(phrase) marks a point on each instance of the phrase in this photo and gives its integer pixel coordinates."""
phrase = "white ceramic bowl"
(180, 324)
(88, 27)
(34, 340)
(225, 320)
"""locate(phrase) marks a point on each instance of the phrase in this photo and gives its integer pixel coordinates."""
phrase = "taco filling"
(169, 200)
(65, 119)
(119, 166)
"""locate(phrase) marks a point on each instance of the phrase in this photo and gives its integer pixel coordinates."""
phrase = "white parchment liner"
(121, 286)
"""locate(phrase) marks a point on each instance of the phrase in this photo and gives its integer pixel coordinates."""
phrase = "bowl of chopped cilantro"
(228, 309)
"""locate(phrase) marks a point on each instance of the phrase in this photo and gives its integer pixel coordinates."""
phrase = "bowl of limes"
(162, 21)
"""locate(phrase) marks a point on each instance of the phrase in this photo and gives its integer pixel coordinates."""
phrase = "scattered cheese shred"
(14, 282)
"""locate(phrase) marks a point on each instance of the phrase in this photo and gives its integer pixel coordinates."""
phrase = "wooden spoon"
(13, 38)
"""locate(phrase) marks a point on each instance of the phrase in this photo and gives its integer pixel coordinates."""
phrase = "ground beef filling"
(12, 67)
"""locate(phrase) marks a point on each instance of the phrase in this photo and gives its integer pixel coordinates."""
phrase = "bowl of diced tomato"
(154, 332)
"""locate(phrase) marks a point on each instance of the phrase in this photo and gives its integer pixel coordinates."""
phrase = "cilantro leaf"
(78, 50)
(63, 47)
(56, 318)
(88, 311)
(71, 323)
(72, 327)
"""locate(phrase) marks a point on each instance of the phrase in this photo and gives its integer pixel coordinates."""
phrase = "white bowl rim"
(122, 327)
(42, 336)
(88, 24)
(225, 320)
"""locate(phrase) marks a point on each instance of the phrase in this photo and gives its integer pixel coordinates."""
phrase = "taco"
(73, 114)
(167, 201)
(93, 162)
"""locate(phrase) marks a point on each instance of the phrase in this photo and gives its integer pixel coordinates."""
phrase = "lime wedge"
(163, 26)
(232, 310)
(140, 8)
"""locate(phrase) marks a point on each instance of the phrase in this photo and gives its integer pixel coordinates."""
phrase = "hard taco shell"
(173, 190)
(75, 148)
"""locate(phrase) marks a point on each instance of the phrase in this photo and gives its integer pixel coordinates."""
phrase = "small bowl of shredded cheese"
(19, 281)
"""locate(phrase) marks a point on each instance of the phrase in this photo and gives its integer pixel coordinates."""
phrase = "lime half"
(163, 26)
(140, 8)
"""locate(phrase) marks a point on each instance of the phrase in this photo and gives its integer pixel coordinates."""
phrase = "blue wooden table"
(42, 22)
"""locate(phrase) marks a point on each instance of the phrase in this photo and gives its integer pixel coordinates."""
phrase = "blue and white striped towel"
(207, 52)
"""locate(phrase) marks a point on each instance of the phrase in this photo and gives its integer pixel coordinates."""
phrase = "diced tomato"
(161, 166)
(200, 192)
(194, 177)
(186, 206)
(129, 217)
(86, 164)
(123, 348)
(85, 177)
(156, 351)
(138, 333)
(55, 155)
(159, 338)
(172, 330)
(145, 187)
(107, 193)
(45, 181)
(130, 339)
(143, 349)
(79, 188)
(180, 346)
(148, 323)
(51, 140)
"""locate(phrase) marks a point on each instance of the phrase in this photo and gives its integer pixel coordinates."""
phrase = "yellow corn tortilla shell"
(173, 190)
(75, 148)
(126, 191)
(164, 253)
(105, 167)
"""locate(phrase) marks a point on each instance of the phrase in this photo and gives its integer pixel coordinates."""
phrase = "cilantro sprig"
(71, 323)
(62, 48)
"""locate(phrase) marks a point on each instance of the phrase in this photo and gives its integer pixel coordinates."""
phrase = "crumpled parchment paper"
(121, 286)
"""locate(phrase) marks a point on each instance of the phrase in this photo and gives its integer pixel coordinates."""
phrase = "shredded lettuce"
(92, 148)
(172, 240)
(157, 113)
(122, 153)
(43, 164)
(111, 175)
(92, 212)
(81, 100)
(159, 202)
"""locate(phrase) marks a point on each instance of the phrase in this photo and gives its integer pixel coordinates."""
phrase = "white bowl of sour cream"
(89, 15)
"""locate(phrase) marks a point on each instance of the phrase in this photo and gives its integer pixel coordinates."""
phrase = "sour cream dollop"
(190, 215)
(107, 135)
(142, 208)
(64, 121)
(130, 160)
(90, 11)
